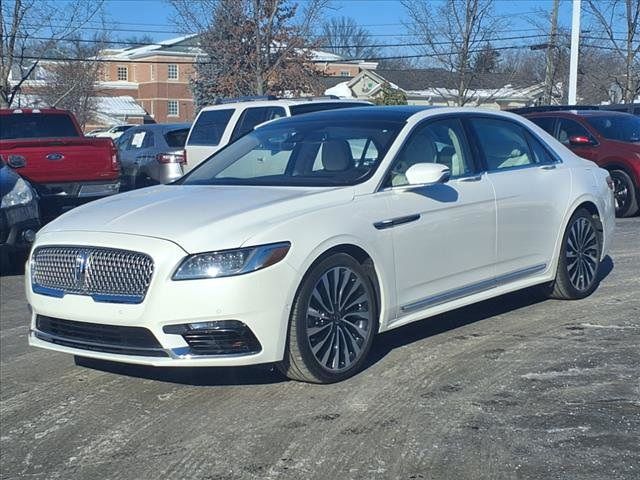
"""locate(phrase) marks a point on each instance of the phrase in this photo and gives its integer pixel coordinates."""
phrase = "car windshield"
(625, 128)
(301, 153)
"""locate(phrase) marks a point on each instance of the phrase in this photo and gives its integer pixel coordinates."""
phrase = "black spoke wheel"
(333, 322)
(579, 261)
(624, 194)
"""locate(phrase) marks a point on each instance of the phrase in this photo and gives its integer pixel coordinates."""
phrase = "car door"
(443, 235)
(532, 188)
(568, 129)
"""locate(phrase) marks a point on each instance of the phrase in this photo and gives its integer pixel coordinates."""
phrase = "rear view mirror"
(580, 141)
(427, 174)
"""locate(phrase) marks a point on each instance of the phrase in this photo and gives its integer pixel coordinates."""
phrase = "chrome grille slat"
(106, 274)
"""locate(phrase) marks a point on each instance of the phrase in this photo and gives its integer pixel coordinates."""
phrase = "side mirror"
(427, 174)
(580, 141)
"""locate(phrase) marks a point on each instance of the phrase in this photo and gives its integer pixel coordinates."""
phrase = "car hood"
(198, 218)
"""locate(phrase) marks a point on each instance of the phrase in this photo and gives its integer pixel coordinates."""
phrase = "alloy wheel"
(582, 254)
(339, 318)
(620, 192)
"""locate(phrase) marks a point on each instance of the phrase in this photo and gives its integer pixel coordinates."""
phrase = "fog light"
(29, 236)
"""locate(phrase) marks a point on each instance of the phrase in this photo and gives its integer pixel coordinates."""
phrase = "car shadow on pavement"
(444, 322)
(383, 344)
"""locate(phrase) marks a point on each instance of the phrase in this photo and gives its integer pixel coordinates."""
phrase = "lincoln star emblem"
(55, 156)
(80, 270)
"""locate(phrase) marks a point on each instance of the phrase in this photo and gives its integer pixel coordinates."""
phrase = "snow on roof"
(143, 50)
(123, 105)
(320, 56)
(340, 90)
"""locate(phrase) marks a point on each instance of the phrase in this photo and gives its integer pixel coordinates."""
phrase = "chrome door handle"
(548, 167)
(477, 178)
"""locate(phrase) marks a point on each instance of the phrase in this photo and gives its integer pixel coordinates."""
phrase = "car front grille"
(105, 274)
(98, 337)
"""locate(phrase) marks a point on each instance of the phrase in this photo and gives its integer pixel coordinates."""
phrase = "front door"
(443, 235)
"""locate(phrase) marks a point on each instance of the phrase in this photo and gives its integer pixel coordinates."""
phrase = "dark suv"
(610, 139)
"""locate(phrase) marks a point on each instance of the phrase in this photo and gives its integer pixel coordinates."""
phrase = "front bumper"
(260, 300)
(18, 225)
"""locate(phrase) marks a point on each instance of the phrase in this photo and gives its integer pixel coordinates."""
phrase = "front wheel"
(579, 262)
(333, 321)
(624, 194)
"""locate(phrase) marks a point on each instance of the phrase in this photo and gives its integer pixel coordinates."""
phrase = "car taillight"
(115, 161)
(170, 158)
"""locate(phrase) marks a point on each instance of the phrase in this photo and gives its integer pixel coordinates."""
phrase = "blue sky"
(383, 18)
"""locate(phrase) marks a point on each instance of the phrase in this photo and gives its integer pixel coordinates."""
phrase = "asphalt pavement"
(516, 387)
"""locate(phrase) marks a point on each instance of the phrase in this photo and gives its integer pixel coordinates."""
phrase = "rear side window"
(36, 125)
(503, 143)
(255, 116)
(176, 138)
(209, 127)
(545, 123)
(316, 107)
(569, 128)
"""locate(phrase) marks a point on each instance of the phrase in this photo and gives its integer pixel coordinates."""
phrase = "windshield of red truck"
(36, 125)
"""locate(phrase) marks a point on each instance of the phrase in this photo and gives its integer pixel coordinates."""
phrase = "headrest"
(336, 156)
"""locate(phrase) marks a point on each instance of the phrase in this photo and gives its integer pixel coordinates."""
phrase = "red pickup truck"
(48, 148)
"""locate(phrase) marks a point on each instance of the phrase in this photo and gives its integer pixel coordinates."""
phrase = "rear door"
(532, 189)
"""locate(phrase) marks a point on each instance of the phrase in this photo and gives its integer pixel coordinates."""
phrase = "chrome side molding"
(467, 290)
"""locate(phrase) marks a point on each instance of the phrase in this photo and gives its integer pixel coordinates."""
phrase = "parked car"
(47, 148)
(217, 125)
(114, 132)
(152, 154)
(610, 139)
(309, 235)
(19, 217)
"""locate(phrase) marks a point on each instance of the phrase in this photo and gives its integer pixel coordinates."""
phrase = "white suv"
(220, 124)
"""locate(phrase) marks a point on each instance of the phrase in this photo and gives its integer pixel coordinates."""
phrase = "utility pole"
(552, 45)
(575, 47)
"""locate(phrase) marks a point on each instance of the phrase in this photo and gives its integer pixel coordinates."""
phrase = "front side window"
(209, 127)
(172, 71)
(303, 153)
(172, 108)
(440, 141)
(503, 143)
(255, 116)
(123, 74)
(624, 128)
(570, 128)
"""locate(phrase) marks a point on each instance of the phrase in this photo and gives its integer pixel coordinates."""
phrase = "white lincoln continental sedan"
(300, 241)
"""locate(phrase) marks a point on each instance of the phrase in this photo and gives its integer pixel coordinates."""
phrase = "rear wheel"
(332, 324)
(624, 193)
(579, 262)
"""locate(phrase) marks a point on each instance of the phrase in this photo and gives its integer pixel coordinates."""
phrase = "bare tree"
(607, 14)
(452, 33)
(20, 21)
(71, 81)
(344, 37)
(253, 47)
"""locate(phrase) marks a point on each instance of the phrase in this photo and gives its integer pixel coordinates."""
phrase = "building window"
(172, 71)
(345, 73)
(172, 108)
(123, 74)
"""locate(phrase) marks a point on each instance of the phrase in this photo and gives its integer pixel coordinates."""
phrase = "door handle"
(477, 178)
(548, 167)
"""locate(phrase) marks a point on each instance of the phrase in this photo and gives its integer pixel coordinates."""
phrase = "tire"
(332, 323)
(579, 261)
(626, 198)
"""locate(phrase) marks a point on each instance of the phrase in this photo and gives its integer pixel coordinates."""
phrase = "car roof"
(280, 102)
(387, 113)
(578, 113)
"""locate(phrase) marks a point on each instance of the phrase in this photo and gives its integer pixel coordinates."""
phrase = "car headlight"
(226, 263)
(19, 195)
